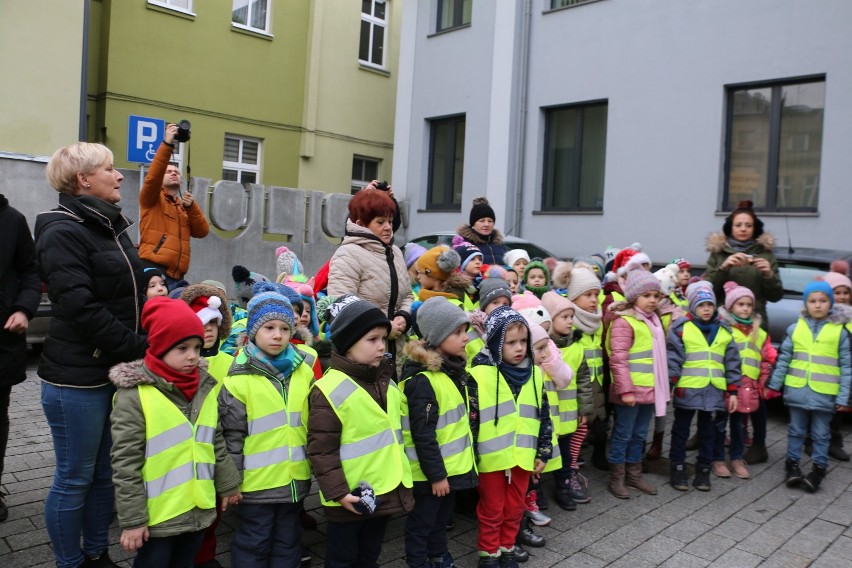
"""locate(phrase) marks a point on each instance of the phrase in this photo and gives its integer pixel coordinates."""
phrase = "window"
(574, 158)
(179, 5)
(374, 24)
(364, 170)
(453, 14)
(241, 161)
(774, 145)
(251, 15)
(446, 163)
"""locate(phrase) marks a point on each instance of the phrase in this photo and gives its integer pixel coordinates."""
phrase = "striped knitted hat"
(268, 304)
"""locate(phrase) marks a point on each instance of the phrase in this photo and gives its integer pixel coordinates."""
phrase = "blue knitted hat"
(818, 286)
(268, 304)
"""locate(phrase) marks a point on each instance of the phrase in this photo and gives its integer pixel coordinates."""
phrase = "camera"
(183, 131)
(383, 185)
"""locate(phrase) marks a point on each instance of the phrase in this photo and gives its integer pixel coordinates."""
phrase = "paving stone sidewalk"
(738, 524)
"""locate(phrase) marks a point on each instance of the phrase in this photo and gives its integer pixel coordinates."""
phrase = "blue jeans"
(79, 503)
(268, 535)
(738, 434)
(170, 551)
(629, 432)
(820, 422)
(710, 424)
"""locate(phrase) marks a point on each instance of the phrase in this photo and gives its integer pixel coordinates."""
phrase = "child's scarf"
(284, 362)
(187, 384)
(660, 360)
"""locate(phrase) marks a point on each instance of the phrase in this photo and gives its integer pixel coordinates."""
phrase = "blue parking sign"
(143, 138)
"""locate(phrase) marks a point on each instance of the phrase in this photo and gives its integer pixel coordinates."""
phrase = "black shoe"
(489, 562)
(812, 480)
(101, 561)
(678, 478)
(521, 555)
(445, 561)
(564, 500)
(837, 452)
(507, 558)
(526, 537)
(702, 478)
(756, 454)
(581, 461)
(4, 511)
(542, 501)
(793, 474)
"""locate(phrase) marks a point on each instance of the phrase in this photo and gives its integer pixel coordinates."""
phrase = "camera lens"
(183, 131)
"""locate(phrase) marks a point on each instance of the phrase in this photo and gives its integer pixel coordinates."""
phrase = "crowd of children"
(507, 370)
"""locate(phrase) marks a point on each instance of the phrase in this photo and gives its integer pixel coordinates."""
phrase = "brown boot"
(634, 479)
(656, 449)
(616, 481)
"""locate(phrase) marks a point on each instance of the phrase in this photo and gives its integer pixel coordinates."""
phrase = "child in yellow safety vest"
(168, 455)
(814, 368)
(704, 368)
(436, 427)
(355, 442)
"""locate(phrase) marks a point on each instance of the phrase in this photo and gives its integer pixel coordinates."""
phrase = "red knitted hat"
(169, 322)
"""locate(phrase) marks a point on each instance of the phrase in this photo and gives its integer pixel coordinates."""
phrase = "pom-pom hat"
(480, 210)
(439, 262)
(466, 251)
(638, 282)
(734, 292)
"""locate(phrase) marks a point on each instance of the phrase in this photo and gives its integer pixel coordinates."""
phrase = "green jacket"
(764, 289)
(128, 450)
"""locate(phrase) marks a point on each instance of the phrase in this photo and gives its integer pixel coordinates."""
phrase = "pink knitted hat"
(529, 306)
(556, 304)
(836, 279)
(638, 282)
(734, 292)
(537, 332)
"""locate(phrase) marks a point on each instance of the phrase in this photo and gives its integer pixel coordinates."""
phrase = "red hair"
(368, 204)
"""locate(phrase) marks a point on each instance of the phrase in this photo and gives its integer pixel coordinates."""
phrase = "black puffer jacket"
(20, 290)
(88, 264)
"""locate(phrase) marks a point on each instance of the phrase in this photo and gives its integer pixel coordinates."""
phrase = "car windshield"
(796, 276)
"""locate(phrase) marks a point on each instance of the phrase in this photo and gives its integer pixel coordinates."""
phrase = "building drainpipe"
(84, 74)
(523, 78)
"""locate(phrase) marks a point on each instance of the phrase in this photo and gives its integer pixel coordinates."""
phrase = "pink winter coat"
(621, 340)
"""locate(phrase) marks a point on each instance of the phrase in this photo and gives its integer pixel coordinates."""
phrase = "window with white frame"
(364, 170)
(251, 15)
(374, 25)
(179, 5)
(241, 161)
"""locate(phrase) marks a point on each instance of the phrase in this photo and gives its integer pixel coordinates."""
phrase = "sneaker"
(581, 461)
(533, 513)
(813, 480)
(739, 468)
(678, 478)
(578, 487)
(702, 478)
(564, 500)
(793, 474)
(720, 469)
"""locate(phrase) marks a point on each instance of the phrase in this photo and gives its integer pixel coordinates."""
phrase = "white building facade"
(590, 123)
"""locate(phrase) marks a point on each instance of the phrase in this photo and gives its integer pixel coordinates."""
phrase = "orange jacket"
(165, 225)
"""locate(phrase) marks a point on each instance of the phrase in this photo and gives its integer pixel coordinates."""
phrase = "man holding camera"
(168, 219)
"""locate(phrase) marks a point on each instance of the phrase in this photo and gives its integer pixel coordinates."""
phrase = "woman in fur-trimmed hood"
(481, 232)
(742, 253)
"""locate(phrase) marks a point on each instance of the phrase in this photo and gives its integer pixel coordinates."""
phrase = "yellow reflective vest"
(508, 428)
(565, 400)
(453, 429)
(704, 364)
(815, 362)
(371, 445)
(180, 460)
(219, 364)
(749, 347)
(593, 354)
(275, 450)
(640, 358)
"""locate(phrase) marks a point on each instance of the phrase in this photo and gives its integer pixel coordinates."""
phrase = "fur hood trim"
(560, 276)
(417, 351)
(458, 281)
(839, 314)
(471, 236)
(132, 374)
(718, 242)
(195, 291)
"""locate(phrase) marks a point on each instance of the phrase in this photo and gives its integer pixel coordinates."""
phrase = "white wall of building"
(663, 66)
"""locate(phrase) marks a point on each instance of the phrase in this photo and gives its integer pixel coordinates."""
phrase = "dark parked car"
(446, 238)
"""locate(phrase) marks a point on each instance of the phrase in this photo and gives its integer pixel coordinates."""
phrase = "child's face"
(370, 349)
(563, 323)
(273, 337)
(412, 275)
(540, 351)
(156, 287)
(536, 278)
(683, 276)
(588, 301)
(473, 265)
(515, 344)
(305, 318)
(818, 305)
(500, 301)
(843, 295)
(648, 301)
(211, 334)
(512, 279)
(519, 265)
(428, 282)
(184, 356)
(453, 345)
(704, 311)
(743, 308)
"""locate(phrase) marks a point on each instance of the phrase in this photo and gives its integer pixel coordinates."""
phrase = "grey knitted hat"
(437, 318)
(491, 289)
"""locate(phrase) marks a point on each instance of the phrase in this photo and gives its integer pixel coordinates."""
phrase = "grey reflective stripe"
(398, 436)
(341, 392)
(824, 378)
(705, 356)
(298, 453)
(177, 476)
(472, 335)
(566, 394)
(751, 362)
(411, 454)
(801, 373)
(204, 434)
(295, 419)
(556, 453)
(452, 416)
(822, 360)
(496, 444)
(640, 367)
(269, 457)
(528, 411)
(592, 353)
(550, 386)
(309, 358)
(568, 416)
(368, 445)
(702, 373)
(455, 447)
(267, 423)
(490, 412)
(554, 411)
(741, 345)
(168, 439)
(640, 355)
(205, 470)
(527, 441)
(406, 423)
